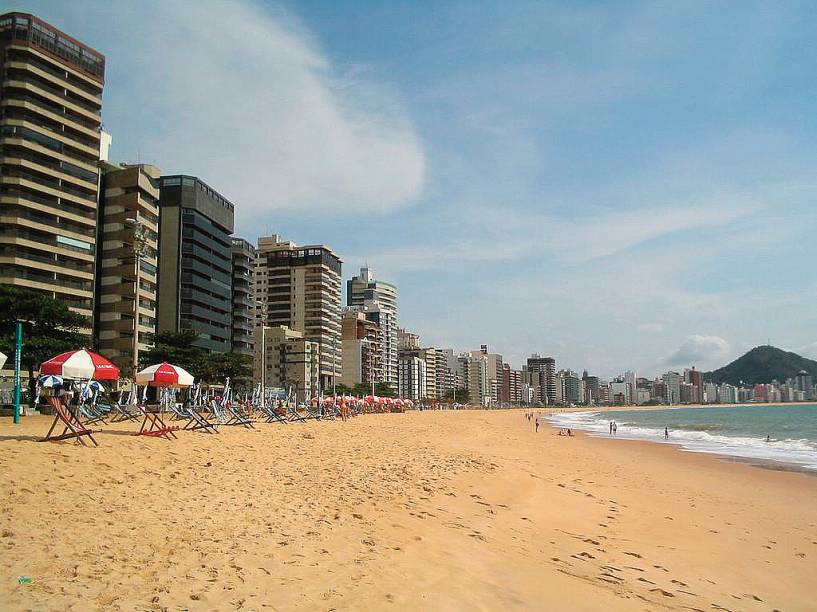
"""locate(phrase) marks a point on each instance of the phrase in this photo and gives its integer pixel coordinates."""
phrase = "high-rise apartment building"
(412, 371)
(50, 114)
(285, 359)
(546, 366)
(429, 356)
(299, 287)
(445, 375)
(383, 310)
(494, 372)
(511, 385)
(474, 372)
(243, 326)
(407, 339)
(361, 347)
(127, 263)
(805, 384)
(195, 264)
(672, 387)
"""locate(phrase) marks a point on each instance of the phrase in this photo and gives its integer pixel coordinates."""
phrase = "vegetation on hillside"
(762, 365)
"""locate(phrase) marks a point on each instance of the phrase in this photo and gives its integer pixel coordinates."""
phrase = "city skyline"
(587, 200)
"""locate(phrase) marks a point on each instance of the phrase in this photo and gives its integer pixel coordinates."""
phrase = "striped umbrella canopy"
(2, 360)
(49, 381)
(95, 386)
(164, 375)
(82, 364)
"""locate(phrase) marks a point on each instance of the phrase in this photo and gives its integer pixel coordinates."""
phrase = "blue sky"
(619, 185)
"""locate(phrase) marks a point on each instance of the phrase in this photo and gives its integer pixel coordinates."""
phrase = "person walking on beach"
(666, 433)
(537, 424)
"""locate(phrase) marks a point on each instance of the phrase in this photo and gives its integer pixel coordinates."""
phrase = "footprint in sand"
(632, 554)
(585, 555)
(663, 592)
(610, 578)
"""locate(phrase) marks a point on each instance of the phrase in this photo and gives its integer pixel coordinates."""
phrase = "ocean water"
(732, 431)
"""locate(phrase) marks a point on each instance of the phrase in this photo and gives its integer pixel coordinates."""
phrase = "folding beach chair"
(234, 417)
(126, 409)
(72, 427)
(153, 425)
(219, 415)
(196, 420)
(122, 413)
(273, 414)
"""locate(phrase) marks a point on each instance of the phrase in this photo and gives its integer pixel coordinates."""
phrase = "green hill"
(762, 365)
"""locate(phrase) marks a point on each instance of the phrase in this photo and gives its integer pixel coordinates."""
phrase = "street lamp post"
(140, 249)
(18, 349)
(334, 372)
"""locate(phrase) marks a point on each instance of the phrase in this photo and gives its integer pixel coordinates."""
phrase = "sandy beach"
(434, 510)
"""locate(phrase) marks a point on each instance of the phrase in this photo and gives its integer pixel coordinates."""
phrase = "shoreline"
(720, 449)
(635, 407)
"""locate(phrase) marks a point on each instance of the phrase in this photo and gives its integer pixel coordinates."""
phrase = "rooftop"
(33, 31)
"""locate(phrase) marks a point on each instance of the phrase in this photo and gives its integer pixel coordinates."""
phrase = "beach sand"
(466, 510)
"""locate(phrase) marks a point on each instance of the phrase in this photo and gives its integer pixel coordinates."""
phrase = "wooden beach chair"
(72, 427)
(153, 425)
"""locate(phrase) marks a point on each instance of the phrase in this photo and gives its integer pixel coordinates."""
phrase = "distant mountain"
(762, 365)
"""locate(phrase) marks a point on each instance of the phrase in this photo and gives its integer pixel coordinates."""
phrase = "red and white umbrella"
(164, 375)
(82, 364)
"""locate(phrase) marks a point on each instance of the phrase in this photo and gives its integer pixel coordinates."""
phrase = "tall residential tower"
(127, 263)
(381, 301)
(50, 113)
(299, 288)
(196, 262)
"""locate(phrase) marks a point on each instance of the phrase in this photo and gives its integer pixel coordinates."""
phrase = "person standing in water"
(615, 428)
(611, 428)
(666, 433)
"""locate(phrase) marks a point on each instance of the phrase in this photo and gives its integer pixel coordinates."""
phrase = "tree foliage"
(762, 365)
(49, 328)
(177, 348)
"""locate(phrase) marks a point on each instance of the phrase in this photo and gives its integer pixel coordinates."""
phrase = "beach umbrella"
(164, 375)
(81, 364)
(95, 387)
(2, 360)
(49, 381)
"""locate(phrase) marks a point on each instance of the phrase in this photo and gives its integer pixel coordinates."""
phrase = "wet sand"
(433, 510)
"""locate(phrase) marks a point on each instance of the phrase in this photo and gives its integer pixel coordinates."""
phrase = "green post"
(17, 356)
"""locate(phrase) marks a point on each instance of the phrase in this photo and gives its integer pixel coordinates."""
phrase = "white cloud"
(698, 349)
(244, 98)
(808, 350)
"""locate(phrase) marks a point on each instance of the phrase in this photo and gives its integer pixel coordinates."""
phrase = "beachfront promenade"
(433, 510)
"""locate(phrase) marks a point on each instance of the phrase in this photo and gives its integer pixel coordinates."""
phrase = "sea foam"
(796, 452)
